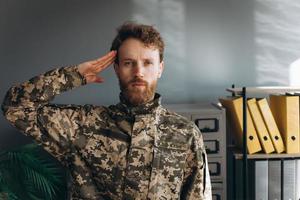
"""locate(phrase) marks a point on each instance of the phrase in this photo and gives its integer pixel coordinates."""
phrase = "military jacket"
(114, 152)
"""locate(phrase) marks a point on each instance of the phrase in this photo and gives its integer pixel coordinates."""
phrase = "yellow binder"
(285, 110)
(260, 126)
(234, 111)
(271, 125)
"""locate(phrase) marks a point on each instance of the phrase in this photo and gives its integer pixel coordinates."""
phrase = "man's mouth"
(138, 84)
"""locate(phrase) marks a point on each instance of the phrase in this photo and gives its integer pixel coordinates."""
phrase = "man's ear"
(161, 68)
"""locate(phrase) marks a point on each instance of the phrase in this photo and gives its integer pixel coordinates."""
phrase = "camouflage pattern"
(115, 152)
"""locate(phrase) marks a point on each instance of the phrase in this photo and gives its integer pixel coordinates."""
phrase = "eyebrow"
(127, 59)
(124, 59)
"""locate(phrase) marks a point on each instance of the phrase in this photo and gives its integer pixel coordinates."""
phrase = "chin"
(138, 95)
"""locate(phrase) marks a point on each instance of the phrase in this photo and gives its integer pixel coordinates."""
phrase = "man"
(133, 150)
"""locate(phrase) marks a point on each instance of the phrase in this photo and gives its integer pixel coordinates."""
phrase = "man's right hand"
(90, 69)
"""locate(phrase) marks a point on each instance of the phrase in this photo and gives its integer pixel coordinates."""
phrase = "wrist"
(80, 69)
(80, 73)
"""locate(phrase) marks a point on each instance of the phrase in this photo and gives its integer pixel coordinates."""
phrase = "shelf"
(242, 155)
(267, 156)
(264, 90)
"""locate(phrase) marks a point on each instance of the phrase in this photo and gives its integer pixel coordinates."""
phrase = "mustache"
(138, 80)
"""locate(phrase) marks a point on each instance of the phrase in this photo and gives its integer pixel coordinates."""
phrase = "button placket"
(139, 158)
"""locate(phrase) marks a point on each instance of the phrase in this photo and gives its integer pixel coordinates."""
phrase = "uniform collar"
(147, 108)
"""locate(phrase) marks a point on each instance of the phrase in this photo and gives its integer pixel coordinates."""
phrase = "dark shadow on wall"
(10, 137)
(37, 36)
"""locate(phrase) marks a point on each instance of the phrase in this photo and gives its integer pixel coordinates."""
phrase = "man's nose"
(138, 70)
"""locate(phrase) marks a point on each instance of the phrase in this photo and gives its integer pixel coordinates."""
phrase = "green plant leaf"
(25, 174)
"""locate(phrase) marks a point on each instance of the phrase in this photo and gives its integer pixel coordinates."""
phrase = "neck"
(147, 107)
(137, 99)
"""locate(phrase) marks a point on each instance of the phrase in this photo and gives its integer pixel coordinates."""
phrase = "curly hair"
(145, 33)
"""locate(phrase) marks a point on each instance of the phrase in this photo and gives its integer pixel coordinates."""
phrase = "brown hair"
(145, 33)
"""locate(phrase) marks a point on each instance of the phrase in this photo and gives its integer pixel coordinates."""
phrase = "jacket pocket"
(170, 156)
(167, 170)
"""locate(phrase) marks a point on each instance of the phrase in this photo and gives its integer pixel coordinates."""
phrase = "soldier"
(135, 149)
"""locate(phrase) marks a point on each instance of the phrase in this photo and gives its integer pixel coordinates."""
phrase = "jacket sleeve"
(196, 182)
(56, 127)
(27, 107)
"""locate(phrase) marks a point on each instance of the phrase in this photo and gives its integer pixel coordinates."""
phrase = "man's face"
(138, 69)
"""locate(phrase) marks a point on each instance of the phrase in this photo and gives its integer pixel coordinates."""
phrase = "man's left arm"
(196, 183)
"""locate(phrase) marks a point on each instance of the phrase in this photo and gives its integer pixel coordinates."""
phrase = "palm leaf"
(25, 174)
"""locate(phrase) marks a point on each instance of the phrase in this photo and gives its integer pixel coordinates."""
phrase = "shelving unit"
(243, 91)
(239, 156)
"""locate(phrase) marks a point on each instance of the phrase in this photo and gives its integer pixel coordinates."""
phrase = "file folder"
(271, 125)
(261, 179)
(285, 110)
(274, 179)
(289, 179)
(260, 126)
(234, 112)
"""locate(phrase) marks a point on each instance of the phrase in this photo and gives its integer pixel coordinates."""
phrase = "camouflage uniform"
(115, 152)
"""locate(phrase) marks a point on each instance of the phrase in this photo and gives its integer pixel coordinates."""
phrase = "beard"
(137, 95)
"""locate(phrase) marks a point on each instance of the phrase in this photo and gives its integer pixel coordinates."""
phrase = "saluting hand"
(90, 69)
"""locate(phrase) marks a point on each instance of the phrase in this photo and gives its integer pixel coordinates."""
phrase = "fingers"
(103, 62)
(103, 59)
(102, 66)
(98, 80)
(99, 66)
(90, 69)
(94, 79)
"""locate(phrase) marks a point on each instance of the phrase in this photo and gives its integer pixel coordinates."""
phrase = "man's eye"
(148, 63)
(127, 63)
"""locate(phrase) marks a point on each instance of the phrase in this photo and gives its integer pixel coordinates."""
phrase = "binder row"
(273, 179)
(271, 127)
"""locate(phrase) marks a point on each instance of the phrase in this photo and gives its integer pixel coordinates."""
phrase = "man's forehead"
(144, 55)
(149, 53)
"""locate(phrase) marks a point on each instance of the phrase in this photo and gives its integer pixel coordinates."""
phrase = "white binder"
(274, 178)
(289, 179)
(261, 180)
